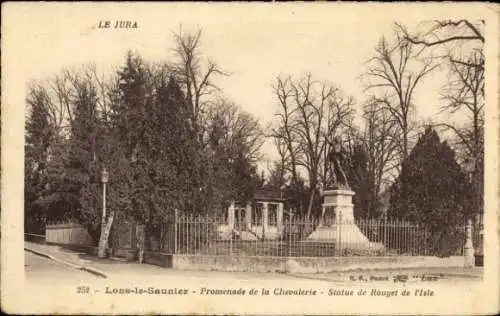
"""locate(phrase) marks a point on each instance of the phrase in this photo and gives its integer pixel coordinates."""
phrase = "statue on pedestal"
(335, 175)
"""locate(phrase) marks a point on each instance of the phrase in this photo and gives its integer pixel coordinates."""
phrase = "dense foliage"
(137, 125)
(440, 193)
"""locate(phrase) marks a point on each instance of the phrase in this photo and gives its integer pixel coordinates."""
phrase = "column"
(469, 248)
(264, 218)
(248, 216)
(280, 216)
(230, 215)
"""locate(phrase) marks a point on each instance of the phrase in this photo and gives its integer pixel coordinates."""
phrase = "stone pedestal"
(337, 224)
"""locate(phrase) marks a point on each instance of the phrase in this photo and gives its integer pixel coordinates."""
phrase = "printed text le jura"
(118, 24)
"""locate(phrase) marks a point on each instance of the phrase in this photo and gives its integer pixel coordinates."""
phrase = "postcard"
(249, 158)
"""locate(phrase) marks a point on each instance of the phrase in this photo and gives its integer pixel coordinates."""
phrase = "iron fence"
(294, 237)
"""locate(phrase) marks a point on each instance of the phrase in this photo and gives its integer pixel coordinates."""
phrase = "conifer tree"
(439, 196)
(39, 134)
(153, 142)
(81, 178)
(129, 147)
(175, 142)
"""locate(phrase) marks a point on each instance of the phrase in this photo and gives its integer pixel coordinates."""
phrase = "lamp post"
(101, 253)
(104, 180)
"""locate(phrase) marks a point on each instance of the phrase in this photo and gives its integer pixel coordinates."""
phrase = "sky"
(249, 42)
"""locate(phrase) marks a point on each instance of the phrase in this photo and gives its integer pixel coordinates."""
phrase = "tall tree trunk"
(310, 204)
(404, 184)
(105, 231)
(476, 175)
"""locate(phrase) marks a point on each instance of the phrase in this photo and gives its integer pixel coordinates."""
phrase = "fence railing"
(204, 235)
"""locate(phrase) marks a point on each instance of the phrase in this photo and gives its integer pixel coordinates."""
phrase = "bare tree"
(283, 133)
(311, 112)
(465, 92)
(239, 132)
(380, 144)
(233, 150)
(461, 43)
(279, 168)
(193, 73)
(393, 75)
(60, 87)
(104, 86)
(453, 36)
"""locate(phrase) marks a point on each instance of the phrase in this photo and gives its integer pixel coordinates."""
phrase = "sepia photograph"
(249, 158)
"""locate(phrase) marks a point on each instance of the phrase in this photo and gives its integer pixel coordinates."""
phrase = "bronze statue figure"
(336, 177)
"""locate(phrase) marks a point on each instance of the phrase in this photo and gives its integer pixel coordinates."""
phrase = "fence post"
(468, 248)
(188, 232)
(339, 230)
(289, 236)
(405, 236)
(426, 243)
(175, 230)
(231, 237)
(385, 234)
(207, 237)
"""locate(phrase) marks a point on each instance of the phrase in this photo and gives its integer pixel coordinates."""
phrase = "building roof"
(269, 194)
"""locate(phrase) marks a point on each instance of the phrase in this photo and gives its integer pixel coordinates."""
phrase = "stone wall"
(297, 264)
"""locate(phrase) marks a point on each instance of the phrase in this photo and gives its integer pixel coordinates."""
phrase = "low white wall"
(272, 232)
(68, 234)
(305, 264)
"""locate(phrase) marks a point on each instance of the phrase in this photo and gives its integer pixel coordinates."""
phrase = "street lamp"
(104, 180)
